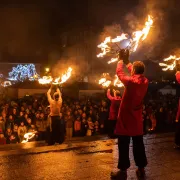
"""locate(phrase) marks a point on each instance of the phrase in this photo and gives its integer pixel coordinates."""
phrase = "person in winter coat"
(57, 125)
(22, 130)
(41, 125)
(129, 122)
(113, 112)
(177, 134)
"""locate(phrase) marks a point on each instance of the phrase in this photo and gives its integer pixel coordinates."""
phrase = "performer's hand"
(178, 65)
(176, 120)
(51, 86)
(124, 55)
(108, 90)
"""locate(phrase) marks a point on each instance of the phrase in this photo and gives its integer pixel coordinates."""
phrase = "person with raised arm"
(130, 122)
(113, 111)
(57, 126)
(177, 134)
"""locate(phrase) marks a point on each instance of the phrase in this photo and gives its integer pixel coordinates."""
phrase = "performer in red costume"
(129, 122)
(177, 134)
(113, 112)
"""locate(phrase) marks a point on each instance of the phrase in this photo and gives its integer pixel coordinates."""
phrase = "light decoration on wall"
(23, 72)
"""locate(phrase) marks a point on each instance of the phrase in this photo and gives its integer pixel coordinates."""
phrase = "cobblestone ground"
(88, 161)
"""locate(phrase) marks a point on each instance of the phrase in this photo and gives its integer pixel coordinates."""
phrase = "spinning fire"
(134, 40)
(58, 80)
(171, 60)
(106, 82)
(107, 47)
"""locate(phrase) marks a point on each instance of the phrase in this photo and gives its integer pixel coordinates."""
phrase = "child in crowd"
(77, 126)
(69, 125)
(41, 125)
(90, 128)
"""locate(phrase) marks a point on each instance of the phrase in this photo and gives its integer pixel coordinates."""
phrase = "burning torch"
(170, 63)
(110, 45)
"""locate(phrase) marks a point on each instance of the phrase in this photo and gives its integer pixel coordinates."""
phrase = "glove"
(124, 55)
(177, 65)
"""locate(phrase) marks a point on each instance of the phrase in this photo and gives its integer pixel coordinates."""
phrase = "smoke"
(155, 43)
(79, 68)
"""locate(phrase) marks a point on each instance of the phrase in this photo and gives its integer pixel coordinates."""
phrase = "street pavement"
(85, 159)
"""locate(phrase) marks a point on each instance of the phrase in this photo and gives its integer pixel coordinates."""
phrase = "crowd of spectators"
(82, 117)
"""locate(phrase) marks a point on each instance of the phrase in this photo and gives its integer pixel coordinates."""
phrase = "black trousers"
(58, 131)
(111, 128)
(138, 152)
(177, 134)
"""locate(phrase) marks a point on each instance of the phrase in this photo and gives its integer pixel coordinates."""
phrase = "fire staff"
(177, 134)
(57, 126)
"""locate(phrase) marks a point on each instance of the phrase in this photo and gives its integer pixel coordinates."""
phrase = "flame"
(104, 45)
(119, 38)
(112, 60)
(137, 37)
(169, 66)
(106, 84)
(29, 136)
(56, 81)
(49, 79)
(117, 82)
(45, 80)
(103, 81)
(141, 35)
(66, 76)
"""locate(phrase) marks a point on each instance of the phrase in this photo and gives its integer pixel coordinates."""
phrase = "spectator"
(41, 125)
(77, 127)
(69, 125)
(22, 130)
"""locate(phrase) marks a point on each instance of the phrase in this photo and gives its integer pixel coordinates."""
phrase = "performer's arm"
(109, 95)
(178, 113)
(59, 93)
(178, 71)
(120, 73)
(178, 76)
(49, 96)
(129, 67)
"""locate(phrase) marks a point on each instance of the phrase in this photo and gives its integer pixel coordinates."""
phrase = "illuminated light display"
(23, 72)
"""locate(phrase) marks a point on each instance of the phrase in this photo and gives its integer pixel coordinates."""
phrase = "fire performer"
(129, 121)
(114, 108)
(57, 126)
(177, 134)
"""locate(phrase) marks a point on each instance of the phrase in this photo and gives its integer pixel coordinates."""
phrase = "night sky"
(29, 32)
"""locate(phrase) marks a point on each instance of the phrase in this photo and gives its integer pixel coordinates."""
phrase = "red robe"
(130, 121)
(178, 80)
(114, 108)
